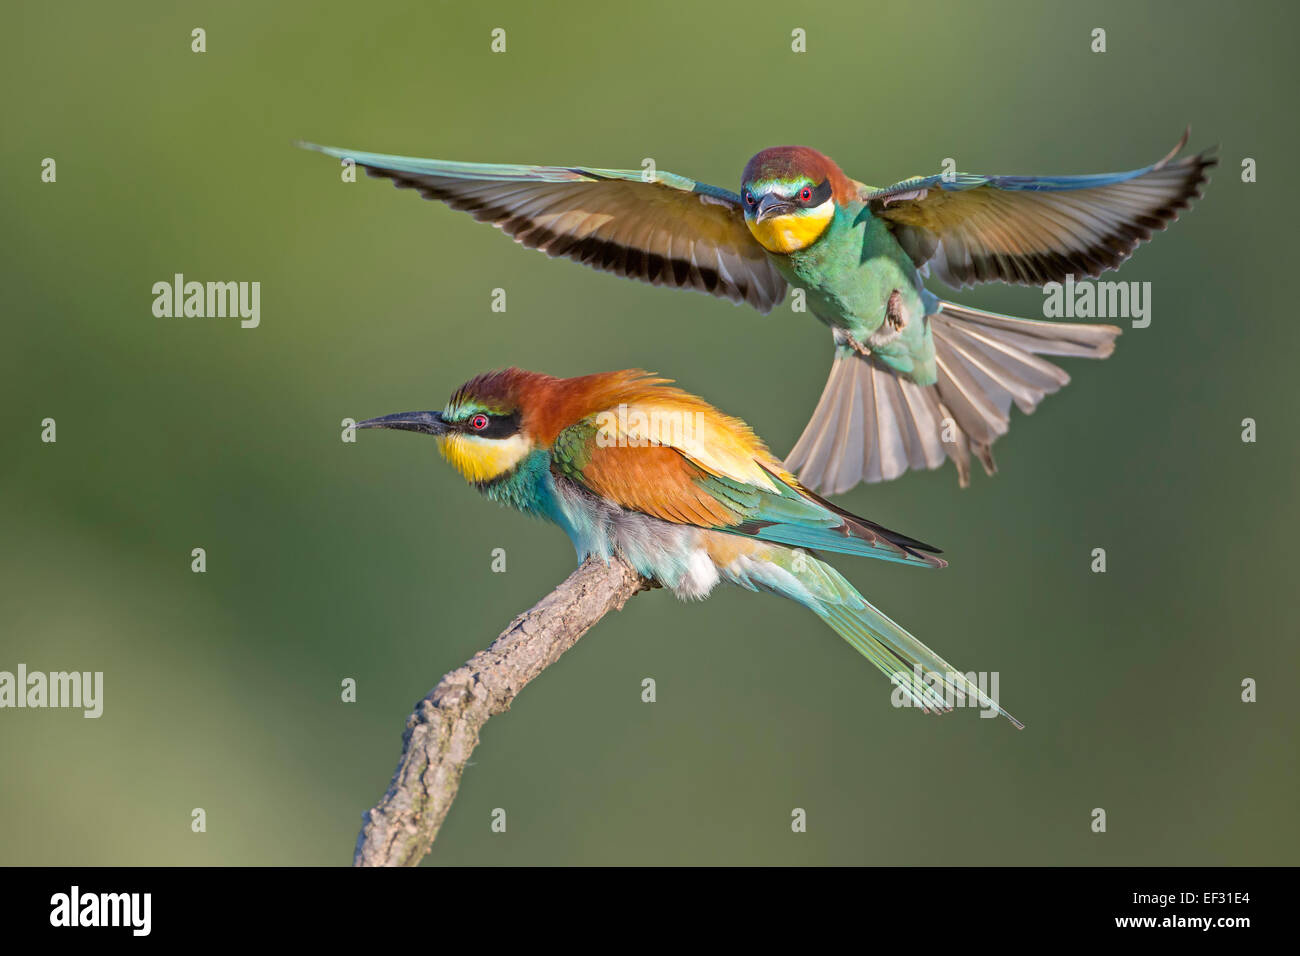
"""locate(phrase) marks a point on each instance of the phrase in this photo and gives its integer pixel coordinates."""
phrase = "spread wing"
(1031, 230)
(713, 473)
(670, 231)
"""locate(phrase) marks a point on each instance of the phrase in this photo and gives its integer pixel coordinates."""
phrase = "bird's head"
(497, 420)
(789, 195)
(481, 430)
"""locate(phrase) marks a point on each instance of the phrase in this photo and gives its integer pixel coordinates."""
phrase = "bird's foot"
(851, 342)
(894, 311)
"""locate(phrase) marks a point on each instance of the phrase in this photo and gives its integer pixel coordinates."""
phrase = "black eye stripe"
(498, 426)
(819, 194)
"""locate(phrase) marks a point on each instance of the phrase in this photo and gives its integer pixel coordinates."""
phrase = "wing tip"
(317, 147)
(1178, 148)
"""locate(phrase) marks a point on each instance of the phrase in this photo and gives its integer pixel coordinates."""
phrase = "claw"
(857, 346)
(894, 311)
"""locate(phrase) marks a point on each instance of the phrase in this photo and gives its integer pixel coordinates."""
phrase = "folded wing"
(712, 472)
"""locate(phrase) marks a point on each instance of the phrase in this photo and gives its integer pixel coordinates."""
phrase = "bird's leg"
(888, 331)
(894, 311)
(844, 337)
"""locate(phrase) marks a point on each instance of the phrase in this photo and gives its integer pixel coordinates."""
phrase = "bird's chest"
(849, 275)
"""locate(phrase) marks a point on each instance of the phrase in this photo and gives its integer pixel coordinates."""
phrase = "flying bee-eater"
(915, 379)
(630, 465)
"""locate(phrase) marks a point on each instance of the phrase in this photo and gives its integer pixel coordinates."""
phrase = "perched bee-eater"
(629, 465)
(915, 378)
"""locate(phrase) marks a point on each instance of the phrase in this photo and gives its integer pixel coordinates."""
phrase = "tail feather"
(872, 424)
(925, 679)
(869, 425)
(924, 416)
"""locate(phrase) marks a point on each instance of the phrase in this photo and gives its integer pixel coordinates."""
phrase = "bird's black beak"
(772, 205)
(430, 423)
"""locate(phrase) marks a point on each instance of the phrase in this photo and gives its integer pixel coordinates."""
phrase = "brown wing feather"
(657, 481)
(648, 231)
(1004, 231)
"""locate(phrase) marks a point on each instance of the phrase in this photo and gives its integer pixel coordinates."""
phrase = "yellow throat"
(787, 234)
(482, 459)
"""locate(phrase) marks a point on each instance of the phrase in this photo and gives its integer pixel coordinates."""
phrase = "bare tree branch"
(444, 728)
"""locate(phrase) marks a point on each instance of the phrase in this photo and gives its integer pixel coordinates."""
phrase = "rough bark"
(443, 731)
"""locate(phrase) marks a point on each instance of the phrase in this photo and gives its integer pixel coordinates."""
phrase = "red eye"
(478, 422)
(805, 194)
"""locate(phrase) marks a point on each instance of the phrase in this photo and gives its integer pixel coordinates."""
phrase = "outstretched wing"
(671, 231)
(1030, 230)
(710, 471)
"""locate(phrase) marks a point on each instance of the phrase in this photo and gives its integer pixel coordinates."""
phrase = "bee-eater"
(915, 378)
(629, 465)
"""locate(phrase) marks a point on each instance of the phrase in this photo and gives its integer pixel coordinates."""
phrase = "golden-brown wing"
(672, 456)
(1031, 230)
(669, 230)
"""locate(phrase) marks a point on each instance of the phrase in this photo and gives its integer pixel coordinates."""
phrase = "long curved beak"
(430, 423)
(772, 205)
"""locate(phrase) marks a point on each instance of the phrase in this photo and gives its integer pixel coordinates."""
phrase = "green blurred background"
(372, 560)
